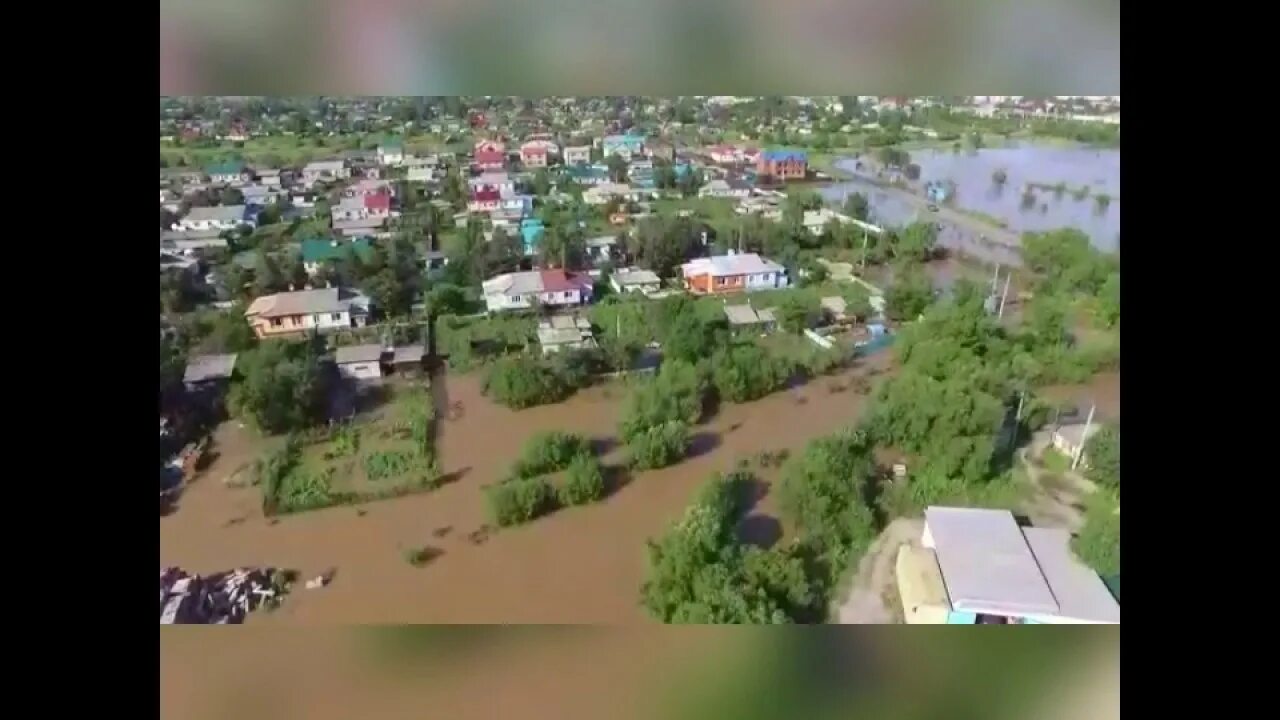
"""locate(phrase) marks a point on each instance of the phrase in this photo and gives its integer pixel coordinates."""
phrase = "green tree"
(541, 182)
(1109, 300)
(617, 168)
(677, 392)
(1098, 542)
(796, 312)
(823, 494)
(909, 295)
(746, 372)
(522, 381)
(917, 242)
(1103, 453)
(267, 278)
(282, 389)
(857, 206)
(584, 482)
(298, 276)
(659, 445)
(857, 299)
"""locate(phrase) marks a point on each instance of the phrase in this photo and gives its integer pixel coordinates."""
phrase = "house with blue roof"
(531, 231)
(783, 164)
(587, 175)
(627, 146)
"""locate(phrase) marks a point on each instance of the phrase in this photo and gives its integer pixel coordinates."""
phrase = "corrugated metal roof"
(986, 562)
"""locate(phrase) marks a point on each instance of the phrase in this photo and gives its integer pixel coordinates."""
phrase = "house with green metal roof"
(231, 171)
(318, 251)
(391, 152)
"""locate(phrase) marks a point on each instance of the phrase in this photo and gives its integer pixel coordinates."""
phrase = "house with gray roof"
(203, 370)
(321, 309)
(217, 218)
(359, 362)
(978, 566)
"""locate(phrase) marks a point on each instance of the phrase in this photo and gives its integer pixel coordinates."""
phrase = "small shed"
(206, 370)
(746, 318)
(407, 359)
(836, 309)
(359, 362)
(635, 280)
(565, 332)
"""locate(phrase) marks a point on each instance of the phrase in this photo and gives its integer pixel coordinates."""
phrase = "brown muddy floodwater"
(578, 565)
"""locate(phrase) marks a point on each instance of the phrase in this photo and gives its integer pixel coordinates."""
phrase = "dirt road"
(866, 602)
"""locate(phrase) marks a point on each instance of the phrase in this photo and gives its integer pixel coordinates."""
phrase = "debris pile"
(219, 599)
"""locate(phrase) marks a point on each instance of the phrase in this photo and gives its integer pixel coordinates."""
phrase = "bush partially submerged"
(584, 483)
(549, 452)
(519, 501)
(659, 446)
(523, 381)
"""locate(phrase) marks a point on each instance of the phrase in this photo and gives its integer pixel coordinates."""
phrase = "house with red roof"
(550, 288)
(489, 155)
(484, 199)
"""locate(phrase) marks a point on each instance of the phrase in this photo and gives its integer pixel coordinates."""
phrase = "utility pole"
(865, 237)
(1004, 295)
(995, 279)
(1083, 436)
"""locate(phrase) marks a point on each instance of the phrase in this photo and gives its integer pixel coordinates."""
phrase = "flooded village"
(497, 364)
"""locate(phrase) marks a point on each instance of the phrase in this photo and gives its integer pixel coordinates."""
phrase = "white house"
(733, 272)
(577, 155)
(326, 171)
(421, 173)
(635, 280)
(359, 362)
(390, 154)
(222, 217)
(499, 181)
(520, 290)
(725, 189)
(602, 193)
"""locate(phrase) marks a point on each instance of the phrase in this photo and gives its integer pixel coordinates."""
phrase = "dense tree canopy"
(282, 388)
(1103, 452)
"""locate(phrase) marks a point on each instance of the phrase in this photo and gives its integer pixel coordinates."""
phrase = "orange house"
(732, 273)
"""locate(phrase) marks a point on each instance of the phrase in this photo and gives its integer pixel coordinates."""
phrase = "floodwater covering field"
(1084, 174)
(579, 565)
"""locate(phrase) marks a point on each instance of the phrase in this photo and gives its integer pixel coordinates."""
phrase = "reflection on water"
(1045, 188)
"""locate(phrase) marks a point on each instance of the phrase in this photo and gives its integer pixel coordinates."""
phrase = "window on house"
(276, 322)
(336, 317)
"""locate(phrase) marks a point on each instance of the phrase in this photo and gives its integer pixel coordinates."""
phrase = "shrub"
(676, 393)
(421, 557)
(699, 574)
(385, 464)
(659, 446)
(549, 452)
(519, 501)
(522, 381)
(1098, 542)
(584, 483)
(346, 442)
(746, 372)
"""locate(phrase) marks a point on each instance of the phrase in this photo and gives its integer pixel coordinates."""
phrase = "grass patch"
(1054, 461)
